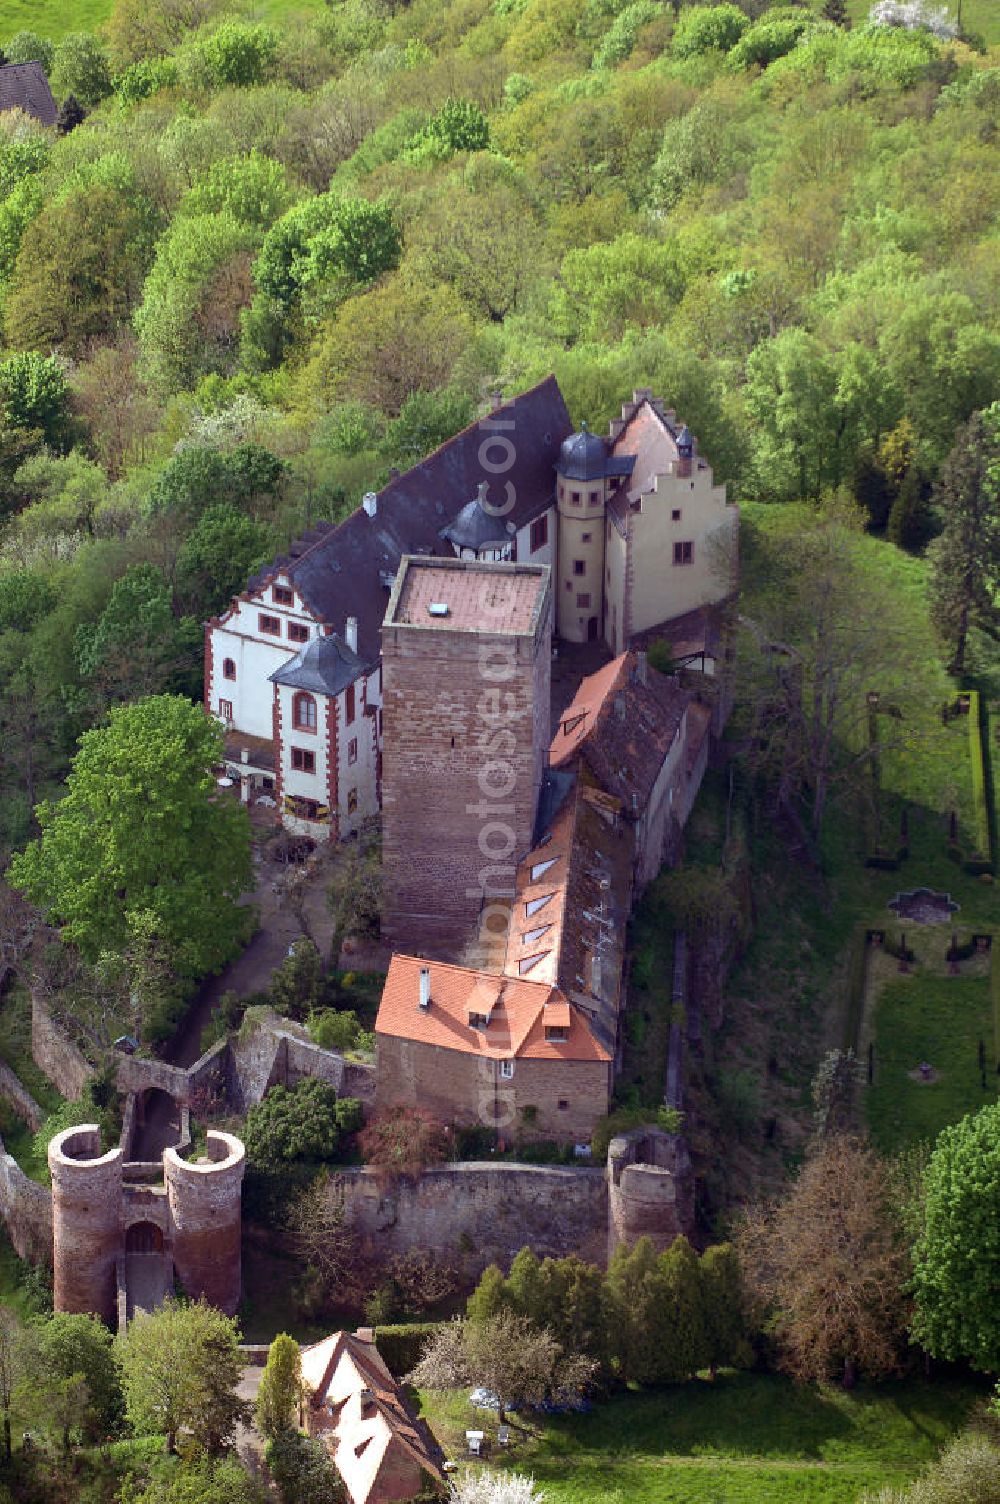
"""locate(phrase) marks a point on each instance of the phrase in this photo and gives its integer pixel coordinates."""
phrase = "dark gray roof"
(348, 570)
(476, 528)
(325, 665)
(583, 456)
(23, 86)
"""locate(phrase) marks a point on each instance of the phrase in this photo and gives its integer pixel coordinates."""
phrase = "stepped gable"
(348, 570)
(23, 86)
(622, 721)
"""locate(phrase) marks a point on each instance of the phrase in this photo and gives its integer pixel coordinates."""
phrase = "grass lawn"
(54, 18)
(744, 1439)
(939, 1019)
(982, 16)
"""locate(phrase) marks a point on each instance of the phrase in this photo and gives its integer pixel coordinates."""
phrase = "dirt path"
(252, 969)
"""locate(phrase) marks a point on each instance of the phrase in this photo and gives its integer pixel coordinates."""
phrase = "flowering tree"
(914, 15)
(488, 1487)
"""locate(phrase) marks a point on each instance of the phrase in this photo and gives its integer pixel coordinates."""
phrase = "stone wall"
(26, 1210)
(14, 1091)
(476, 1214)
(55, 1053)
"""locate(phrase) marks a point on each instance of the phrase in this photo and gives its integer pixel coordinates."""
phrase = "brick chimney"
(425, 987)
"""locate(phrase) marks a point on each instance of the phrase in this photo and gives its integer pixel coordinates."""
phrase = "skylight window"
(534, 904)
(540, 868)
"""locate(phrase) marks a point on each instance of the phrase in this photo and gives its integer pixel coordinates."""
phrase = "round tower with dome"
(581, 494)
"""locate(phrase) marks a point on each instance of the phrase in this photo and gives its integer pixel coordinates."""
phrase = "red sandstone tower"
(205, 1204)
(466, 664)
(86, 1222)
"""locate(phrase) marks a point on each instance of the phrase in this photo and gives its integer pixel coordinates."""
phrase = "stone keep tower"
(466, 666)
(650, 1189)
(205, 1210)
(86, 1222)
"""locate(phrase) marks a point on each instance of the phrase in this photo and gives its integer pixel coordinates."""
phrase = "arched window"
(304, 713)
(228, 668)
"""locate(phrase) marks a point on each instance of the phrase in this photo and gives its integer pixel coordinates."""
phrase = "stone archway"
(143, 1237)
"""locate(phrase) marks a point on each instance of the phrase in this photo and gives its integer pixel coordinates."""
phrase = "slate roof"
(324, 665)
(348, 570)
(476, 528)
(586, 456)
(23, 86)
(622, 727)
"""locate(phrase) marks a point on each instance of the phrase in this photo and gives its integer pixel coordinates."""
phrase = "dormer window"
(478, 1020)
(528, 963)
(530, 936)
(534, 904)
(540, 868)
(282, 595)
(555, 1034)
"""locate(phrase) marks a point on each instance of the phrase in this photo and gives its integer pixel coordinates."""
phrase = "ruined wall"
(14, 1091)
(476, 1214)
(26, 1210)
(55, 1053)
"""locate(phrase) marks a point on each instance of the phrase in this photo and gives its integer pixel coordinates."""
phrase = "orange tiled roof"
(580, 716)
(517, 1010)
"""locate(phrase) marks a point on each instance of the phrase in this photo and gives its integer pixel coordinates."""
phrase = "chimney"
(425, 987)
(370, 502)
(244, 754)
(640, 667)
(351, 633)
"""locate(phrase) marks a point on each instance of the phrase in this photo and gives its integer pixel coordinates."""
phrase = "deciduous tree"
(180, 1368)
(831, 1262)
(958, 1254)
(142, 832)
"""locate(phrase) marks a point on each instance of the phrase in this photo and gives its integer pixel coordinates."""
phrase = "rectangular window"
(574, 497)
(352, 802)
(226, 709)
(675, 515)
(297, 632)
(303, 761)
(583, 598)
(282, 596)
(269, 624)
(506, 1069)
(539, 533)
(585, 537)
(352, 750)
(349, 705)
(683, 553)
(579, 566)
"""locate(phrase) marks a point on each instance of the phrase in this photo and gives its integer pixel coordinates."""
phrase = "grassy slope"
(744, 1439)
(982, 16)
(54, 18)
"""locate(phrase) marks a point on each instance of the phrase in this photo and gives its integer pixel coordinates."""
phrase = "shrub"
(334, 1031)
(769, 40)
(623, 1119)
(621, 38)
(305, 1123)
(708, 28)
(404, 1141)
(239, 55)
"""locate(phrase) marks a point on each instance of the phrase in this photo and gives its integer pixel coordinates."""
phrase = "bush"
(306, 1123)
(404, 1141)
(708, 28)
(239, 55)
(769, 40)
(302, 1470)
(335, 1031)
(401, 1347)
(620, 40)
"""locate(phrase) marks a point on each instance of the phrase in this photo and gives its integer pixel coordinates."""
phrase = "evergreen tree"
(71, 114)
(965, 560)
(489, 1296)
(909, 520)
(723, 1308)
(682, 1292)
(280, 1387)
(641, 1324)
(525, 1286)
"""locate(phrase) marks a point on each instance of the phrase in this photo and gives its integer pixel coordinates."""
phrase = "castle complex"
(631, 525)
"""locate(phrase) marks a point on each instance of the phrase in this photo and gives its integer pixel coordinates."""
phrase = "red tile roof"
(518, 1012)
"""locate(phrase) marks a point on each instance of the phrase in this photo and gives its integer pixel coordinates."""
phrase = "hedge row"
(983, 859)
(401, 1347)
